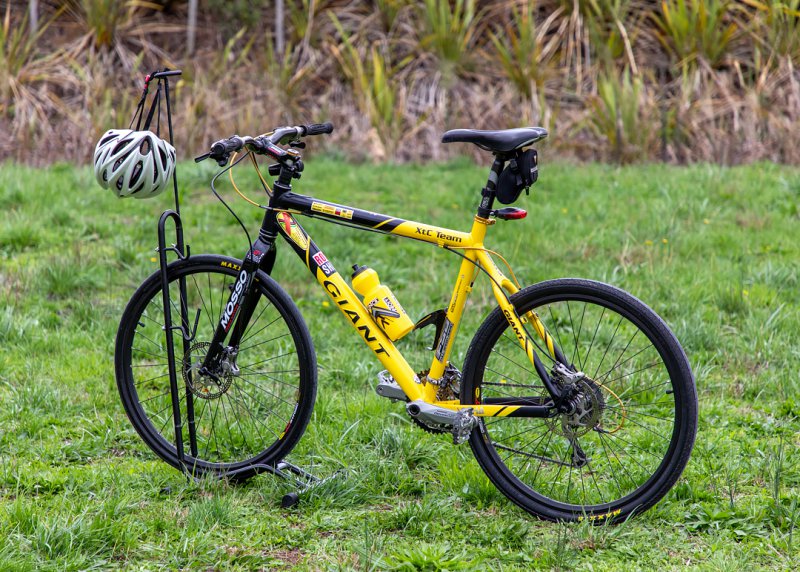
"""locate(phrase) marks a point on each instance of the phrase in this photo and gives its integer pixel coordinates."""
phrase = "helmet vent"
(137, 171)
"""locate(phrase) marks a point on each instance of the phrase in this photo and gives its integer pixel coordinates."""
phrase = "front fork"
(238, 311)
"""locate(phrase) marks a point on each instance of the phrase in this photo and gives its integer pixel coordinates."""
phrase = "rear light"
(510, 213)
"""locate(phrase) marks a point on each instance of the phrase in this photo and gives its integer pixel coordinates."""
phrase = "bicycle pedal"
(388, 387)
(463, 424)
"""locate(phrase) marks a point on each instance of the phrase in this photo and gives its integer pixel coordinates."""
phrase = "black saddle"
(503, 141)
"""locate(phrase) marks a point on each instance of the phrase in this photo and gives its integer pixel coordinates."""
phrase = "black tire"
(252, 418)
(639, 401)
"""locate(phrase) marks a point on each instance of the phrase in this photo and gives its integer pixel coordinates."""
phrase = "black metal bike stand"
(302, 479)
(178, 249)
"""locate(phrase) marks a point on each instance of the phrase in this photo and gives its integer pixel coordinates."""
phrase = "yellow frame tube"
(475, 256)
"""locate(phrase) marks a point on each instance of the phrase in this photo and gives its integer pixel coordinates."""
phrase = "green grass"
(715, 251)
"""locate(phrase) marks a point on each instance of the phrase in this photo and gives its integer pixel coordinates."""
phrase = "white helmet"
(133, 163)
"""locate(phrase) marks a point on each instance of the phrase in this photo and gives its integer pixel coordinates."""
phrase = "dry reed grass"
(619, 80)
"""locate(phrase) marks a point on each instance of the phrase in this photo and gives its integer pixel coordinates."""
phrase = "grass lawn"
(715, 251)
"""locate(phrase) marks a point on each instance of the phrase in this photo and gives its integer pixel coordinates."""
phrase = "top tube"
(344, 214)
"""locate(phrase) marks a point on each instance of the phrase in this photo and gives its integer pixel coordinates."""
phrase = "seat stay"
(503, 288)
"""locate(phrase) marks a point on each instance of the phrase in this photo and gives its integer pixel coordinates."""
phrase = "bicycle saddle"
(501, 141)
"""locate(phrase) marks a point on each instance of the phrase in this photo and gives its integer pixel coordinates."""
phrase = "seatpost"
(488, 192)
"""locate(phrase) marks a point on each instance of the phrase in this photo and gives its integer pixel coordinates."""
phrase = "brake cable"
(264, 183)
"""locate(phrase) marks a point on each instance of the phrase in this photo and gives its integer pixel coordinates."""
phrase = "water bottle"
(381, 303)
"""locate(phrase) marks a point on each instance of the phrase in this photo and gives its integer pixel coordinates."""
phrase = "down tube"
(349, 304)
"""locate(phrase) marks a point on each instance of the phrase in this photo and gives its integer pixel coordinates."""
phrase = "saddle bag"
(520, 173)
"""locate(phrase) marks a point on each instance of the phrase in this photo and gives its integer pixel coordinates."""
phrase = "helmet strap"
(138, 115)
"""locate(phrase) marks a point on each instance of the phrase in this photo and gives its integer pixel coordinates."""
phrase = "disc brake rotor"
(203, 386)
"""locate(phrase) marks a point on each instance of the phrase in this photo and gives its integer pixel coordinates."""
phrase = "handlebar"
(263, 145)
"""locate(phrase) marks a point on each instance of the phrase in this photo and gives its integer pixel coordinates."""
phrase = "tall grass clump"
(717, 79)
(695, 32)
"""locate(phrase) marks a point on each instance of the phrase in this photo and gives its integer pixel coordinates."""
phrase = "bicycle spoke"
(555, 326)
(617, 408)
(150, 365)
(580, 329)
(635, 333)
(141, 351)
(140, 334)
(245, 337)
(647, 347)
(270, 411)
(266, 341)
(613, 337)
(212, 430)
(155, 397)
(504, 376)
(629, 443)
(611, 467)
(259, 374)
(269, 359)
(260, 388)
(249, 412)
(629, 374)
(596, 328)
(209, 315)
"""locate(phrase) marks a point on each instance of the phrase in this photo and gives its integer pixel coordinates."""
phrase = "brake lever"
(221, 161)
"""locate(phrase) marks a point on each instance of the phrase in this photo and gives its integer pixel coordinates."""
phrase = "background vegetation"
(626, 80)
(714, 250)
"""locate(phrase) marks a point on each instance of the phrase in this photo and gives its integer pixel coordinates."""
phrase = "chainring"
(448, 389)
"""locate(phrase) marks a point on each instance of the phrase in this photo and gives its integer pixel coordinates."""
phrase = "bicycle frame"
(279, 219)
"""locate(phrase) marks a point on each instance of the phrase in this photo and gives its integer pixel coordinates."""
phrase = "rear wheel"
(256, 410)
(632, 426)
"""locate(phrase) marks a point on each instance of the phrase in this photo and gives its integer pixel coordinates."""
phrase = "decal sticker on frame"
(447, 329)
(323, 264)
(331, 210)
(292, 229)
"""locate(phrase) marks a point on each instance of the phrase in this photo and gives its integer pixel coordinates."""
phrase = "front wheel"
(630, 433)
(255, 411)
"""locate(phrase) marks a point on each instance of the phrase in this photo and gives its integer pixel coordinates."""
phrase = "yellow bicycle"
(577, 400)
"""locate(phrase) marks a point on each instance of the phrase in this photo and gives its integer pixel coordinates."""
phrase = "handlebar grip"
(319, 128)
(224, 146)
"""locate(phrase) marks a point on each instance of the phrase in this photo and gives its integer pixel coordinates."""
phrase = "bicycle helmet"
(133, 163)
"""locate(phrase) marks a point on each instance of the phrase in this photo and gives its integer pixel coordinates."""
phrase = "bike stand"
(303, 480)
